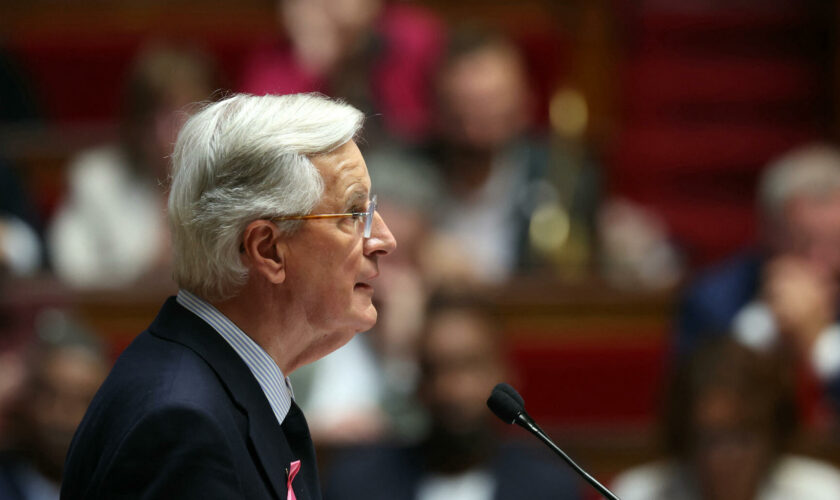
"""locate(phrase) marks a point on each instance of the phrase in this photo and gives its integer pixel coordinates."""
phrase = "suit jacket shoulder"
(180, 416)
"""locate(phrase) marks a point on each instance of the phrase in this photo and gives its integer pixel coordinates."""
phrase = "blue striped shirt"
(276, 387)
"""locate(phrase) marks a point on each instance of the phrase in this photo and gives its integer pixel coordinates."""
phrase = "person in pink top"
(377, 55)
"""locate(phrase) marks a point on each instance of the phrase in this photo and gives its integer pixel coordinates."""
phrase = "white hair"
(811, 171)
(241, 159)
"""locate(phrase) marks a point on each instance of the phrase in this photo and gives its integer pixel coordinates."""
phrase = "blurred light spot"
(549, 228)
(568, 112)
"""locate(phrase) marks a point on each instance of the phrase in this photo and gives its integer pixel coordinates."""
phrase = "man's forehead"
(813, 207)
(345, 174)
(345, 160)
(351, 168)
(352, 179)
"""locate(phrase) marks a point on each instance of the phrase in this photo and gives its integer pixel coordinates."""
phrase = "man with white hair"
(785, 295)
(276, 240)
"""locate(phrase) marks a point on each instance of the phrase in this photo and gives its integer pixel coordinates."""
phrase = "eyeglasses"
(366, 216)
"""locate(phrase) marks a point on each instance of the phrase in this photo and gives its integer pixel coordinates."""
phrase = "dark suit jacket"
(395, 473)
(11, 487)
(181, 416)
(712, 301)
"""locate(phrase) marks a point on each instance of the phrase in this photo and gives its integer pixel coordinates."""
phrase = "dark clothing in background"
(712, 301)
(394, 473)
(13, 197)
(11, 487)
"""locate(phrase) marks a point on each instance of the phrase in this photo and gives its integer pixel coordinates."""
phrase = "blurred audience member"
(784, 295)
(64, 372)
(496, 173)
(377, 55)
(729, 416)
(111, 229)
(460, 455)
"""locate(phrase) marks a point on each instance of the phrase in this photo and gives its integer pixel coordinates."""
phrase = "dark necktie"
(297, 433)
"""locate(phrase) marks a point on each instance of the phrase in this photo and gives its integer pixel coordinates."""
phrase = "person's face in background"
(166, 121)
(62, 386)
(811, 231)
(324, 32)
(483, 99)
(162, 91)
(800, 279)
(461, 365)
(732, 445)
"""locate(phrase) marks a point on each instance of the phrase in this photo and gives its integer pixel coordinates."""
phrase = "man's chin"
(368, 318)
(364, 313)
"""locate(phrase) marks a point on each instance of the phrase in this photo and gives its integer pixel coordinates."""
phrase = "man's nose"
(381, 241)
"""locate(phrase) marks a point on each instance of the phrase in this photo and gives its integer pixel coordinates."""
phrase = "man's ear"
(263, 251)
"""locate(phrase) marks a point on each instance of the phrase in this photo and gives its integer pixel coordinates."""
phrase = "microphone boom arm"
(525, 421)
(509, 406)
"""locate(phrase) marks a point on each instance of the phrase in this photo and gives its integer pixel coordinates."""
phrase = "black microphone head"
(506, 406)
(507, 388)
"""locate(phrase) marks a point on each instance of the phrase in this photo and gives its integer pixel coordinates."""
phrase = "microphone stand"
(525, 421)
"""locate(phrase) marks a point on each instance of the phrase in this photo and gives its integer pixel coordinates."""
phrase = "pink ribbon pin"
(293, 469)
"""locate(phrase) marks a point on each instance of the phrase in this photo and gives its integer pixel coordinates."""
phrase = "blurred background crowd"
(629, 209)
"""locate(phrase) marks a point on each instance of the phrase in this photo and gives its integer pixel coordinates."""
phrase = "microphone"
(509, 406)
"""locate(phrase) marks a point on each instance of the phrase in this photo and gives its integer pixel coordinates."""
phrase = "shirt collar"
(276, 386)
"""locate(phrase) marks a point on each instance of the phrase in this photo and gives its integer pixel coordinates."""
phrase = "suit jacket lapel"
(176, 323)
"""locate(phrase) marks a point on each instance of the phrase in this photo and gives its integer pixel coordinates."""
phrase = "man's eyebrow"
(357, 196)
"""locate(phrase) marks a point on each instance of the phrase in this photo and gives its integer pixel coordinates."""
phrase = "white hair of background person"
(240, 159)
(812, 171)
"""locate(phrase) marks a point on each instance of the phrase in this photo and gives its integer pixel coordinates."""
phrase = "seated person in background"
(377, 55)
(730, 413)
(495, 171)
(111, 230)
(64, 373)
(785, 295)
(460, 455)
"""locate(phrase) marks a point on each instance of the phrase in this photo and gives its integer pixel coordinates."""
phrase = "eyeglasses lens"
(369, 216)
